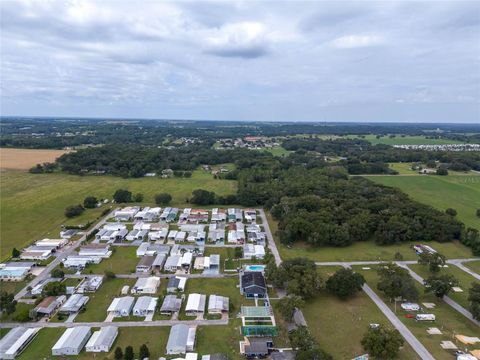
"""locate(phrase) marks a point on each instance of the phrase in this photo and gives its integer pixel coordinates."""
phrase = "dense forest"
(361, 157)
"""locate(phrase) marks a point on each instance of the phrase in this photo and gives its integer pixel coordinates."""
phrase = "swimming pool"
(254, 267)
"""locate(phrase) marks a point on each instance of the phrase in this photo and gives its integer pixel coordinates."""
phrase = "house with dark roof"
(252, 284)
(256, 346)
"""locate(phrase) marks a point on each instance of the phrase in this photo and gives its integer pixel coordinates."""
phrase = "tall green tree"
(287, 305)
(396, 282)
(118, 353)
(129, 355)
(474, 300)
(144, 352)
(435, 261)
(440, 285)
(382, 343)
(122, 196)
(90, 202)
(345, 283)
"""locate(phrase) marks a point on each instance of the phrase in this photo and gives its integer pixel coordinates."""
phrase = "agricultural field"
(447, 319)
(459, 192)
(278, 151)
(405, 140)
(24, 159)
(465, 281)
(33, 204)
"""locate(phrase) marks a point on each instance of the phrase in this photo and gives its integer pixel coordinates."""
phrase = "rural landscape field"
(240, 180)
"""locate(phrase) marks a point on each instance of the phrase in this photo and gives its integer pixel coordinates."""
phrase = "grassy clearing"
(406, 169)
(24, 159)
(464, 278)
(447, 319)
(96, 308)
(473, 265)
(21, 307)
(33, 205)
(278, 151)
(333, 321)
(405, 140)
(459, 192)
(220, 339)
(123, 261)
(12, 286)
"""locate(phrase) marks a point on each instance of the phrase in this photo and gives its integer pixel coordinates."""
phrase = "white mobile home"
(121, 306)
(17, 339)
(72, 341)
(102, 340)
(148, 285)
(145, 305)
(195, 304)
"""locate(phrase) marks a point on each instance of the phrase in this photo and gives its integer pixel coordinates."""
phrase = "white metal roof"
(196, 302)
(72, 337)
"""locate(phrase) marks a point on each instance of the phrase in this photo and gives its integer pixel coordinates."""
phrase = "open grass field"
(473, 265)
(406, 169)
(461, 193)
(447, 319)
(464, 278)
(123, 261)
(24, 159)
(406, 140)
(333, 321)
(33, 205)
(96, 308)
(278, 151)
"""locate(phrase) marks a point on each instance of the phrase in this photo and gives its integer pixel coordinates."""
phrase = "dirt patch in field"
(24, 159)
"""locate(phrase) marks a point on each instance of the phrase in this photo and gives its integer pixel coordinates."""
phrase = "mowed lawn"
(340, 325)
(465, 281)
(461, 193)
(473, 265)
(33, 204)
(123, 261)
(448, 320)
(96, 308)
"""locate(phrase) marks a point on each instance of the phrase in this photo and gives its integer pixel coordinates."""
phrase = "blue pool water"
(255, 267)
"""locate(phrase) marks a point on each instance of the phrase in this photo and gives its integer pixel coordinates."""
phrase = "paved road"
(60, 255)
(460, 265)
(408, 336)
(271, 243)
(447, 300)
(116, 323)
(163, 276)
(376, 262)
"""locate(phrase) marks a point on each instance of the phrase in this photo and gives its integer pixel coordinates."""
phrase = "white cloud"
(357, 41)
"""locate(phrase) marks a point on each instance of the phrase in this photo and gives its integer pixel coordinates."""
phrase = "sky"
(257, 60)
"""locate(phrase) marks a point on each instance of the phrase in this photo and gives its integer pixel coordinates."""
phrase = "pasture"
(33, 204)
(405, 140)
(24, 159)
(461, 193)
